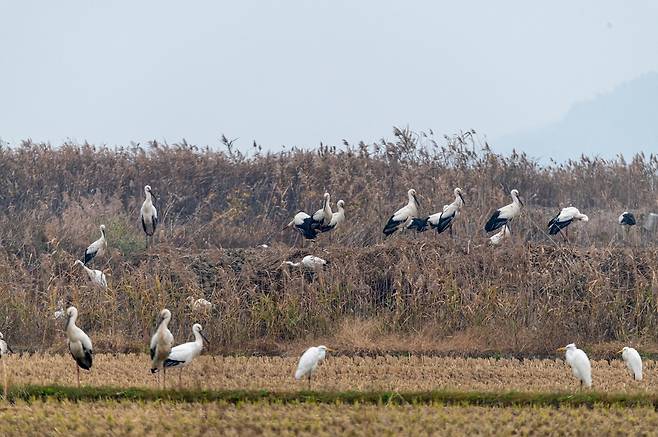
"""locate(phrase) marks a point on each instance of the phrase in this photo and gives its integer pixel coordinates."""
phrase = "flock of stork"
(165, 355)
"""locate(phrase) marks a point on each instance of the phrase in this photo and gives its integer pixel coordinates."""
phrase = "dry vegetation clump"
(125, 418)
(338, 373)
(426, 294)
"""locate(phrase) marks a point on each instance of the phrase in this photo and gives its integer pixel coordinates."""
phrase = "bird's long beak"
(520, 201)
(462, 198)
(9, 348)
(416, 199)
(204, 337)
(331, 350)
(153, 195)
(66, 325)
(562, 349)
(620, 351)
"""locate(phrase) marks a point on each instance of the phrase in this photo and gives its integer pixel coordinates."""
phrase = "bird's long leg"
(180, 374)
(164, 378)
(309, 382)
(78, 369)
(4, 378)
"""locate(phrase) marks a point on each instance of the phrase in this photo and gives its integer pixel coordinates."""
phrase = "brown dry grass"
(122, 418)
(427, 294)
(340, 373)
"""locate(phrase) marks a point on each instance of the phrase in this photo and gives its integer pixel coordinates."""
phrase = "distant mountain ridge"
(624, 121)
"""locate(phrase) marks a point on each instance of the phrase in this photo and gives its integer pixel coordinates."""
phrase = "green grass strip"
(500, 399)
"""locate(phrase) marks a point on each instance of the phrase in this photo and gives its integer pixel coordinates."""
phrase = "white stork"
(4, 347)
(337, 218)
(308, 362)
(304, 224)
(441, 220)
(149, 214)
(502, 216)
(183, 354)
(564, 219)
(633, 361)
(161, 344)
(96, 277)
(97, 248)
(79, 342)
(404, 215)
(322, 216)
(497, 238)
(310, 262)
(627, 219)
(199, 305)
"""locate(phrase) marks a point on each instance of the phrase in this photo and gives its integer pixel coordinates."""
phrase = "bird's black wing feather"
(419, 224)
(495, 222)
(444, 223)
(391, 226)
(172, 363)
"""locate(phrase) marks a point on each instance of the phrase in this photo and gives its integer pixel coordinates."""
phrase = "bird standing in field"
(79, 343)
(161, 344)
(183, 354)
(4, 347)
(308, 363)
(404, 215)
(580, 365)
(310, 262)
(149, 214)
(441, 220)
(337, 218)
(497, 238)
(564, 219)
(633, 361)
(96, 277)
(199, 305)
(322, 216)
(97, 248)
(504, 215)
(627, 219)
(304, 224)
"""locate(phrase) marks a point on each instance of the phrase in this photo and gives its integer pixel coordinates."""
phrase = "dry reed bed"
(403, 374)
(126, 418)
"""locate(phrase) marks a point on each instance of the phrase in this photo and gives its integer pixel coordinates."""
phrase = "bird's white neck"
(197, 338)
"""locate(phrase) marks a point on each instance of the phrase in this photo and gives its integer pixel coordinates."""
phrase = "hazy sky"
(301, 72)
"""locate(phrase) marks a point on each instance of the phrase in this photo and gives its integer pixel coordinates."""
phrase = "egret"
(97, 248)
(4, 347)
(96, 277)
(161, 344)
(564, 219)
(322, 216)
(404, 215)
(441, 220)
(304, 224)
(308, 362)
(79, 342)
(310, 262)
(337, 218)
(497, 238)
(580, 365)
(199, 304)
(633, 362)
(627, 219)
(149, 214)
(183, 354)
(502, 216)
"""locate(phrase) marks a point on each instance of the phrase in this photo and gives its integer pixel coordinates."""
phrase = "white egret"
(79, 343)
(149, 214)
(337, 218)
(4, 347)
(304, 224)
(310, 262)
(404, 215)
(96, 277)
(308, 362)
(183, 354)
(627, 219)
(441, 220)
(633, 361)
(200, 304)
(161, 344)
(97, 248)
(502, 216)
(580, 365)
(501, 235)
(564, 219)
